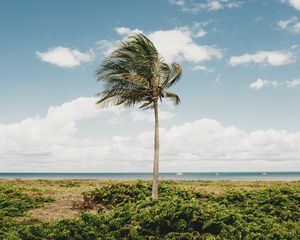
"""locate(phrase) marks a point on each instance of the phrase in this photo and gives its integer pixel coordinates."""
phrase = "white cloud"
(65, 57)
(200, 33)
(214, 5)
(52, 143)
(197, 29)
(177, 2)
(56, 127)
(127, 31)
(148, 116)
(233, 4)
(274, 58)
(199, 68)
(259, 84)
(292, 24)
(294, 3)
(293, 83)
(106, 46)
(184, 48)
(209, 5)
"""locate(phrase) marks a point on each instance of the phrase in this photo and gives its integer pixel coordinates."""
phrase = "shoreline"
(139, 179)
(173, 176)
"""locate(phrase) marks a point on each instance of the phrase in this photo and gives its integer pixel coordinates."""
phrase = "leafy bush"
(121, 193)
(13, 202)
(125, 211)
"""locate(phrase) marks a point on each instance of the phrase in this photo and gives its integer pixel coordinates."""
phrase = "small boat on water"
(263, 173)
(179, 174)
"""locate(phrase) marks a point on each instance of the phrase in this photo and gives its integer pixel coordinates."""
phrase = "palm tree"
(135, 74)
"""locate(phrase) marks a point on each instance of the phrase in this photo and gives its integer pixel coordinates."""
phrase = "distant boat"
(179, 174)
(216, 174)
(263, 173)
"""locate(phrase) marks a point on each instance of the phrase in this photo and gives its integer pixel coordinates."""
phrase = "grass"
(67, 194)
(103, 209)
(98, 209)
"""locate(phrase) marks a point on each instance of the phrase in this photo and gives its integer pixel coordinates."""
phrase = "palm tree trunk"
(156, 153)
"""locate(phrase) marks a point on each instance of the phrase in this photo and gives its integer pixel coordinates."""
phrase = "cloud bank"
(51, 143)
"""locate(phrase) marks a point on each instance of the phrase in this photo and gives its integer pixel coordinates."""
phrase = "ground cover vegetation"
(184, 210)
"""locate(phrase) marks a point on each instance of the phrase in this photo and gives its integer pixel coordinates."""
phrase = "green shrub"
(127, 212)
(13, 202)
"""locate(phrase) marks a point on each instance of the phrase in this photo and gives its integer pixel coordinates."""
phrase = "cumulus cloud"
(65, 57)
(184, 48)
(227, 143)
(148, 116)
(294, 3)
(199, 68)
(274, 58)
(209, 5)
(126, 31)
(35, 135)
(292, 24)
(260, 83)
(52, 143)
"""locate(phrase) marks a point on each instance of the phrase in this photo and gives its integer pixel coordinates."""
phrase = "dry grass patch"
(219, 187)
(67, 194)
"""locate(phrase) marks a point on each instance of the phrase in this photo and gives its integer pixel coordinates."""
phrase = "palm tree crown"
(135, 74)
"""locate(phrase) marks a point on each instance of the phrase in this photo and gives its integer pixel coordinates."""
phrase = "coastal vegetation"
(125, 210)
(135, 74)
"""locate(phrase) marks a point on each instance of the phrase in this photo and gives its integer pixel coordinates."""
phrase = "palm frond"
(121, 95)
(147, 105)
(135, 74)
(173, 97)
(138, 55)
(175, 73)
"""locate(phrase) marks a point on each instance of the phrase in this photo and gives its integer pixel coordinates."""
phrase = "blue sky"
(240, 85)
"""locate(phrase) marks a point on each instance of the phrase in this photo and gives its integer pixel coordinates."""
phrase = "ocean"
(235, 176)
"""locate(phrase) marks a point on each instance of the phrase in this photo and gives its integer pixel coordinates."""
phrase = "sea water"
(238, 176)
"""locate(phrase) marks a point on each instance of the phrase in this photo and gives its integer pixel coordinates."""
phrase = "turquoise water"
(263, 176)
